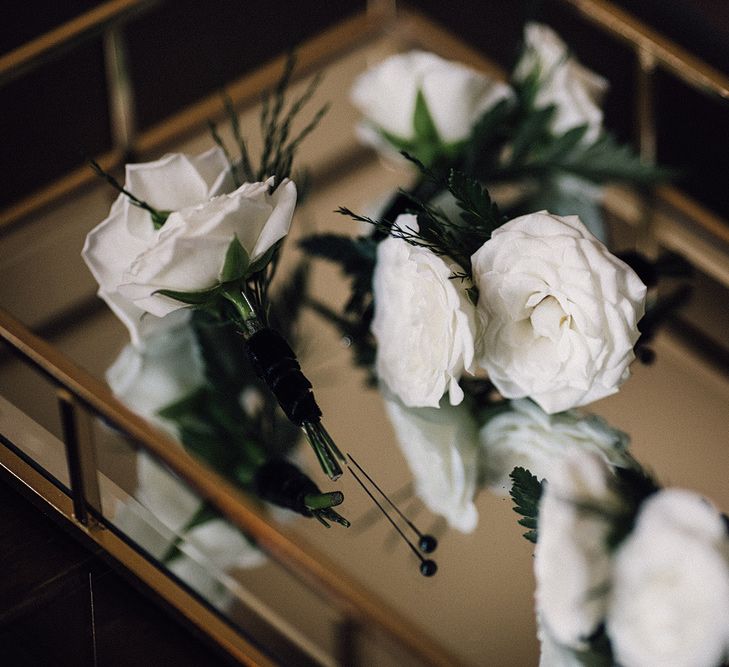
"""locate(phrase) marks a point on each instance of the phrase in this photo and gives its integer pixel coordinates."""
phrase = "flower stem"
(249, 322)
(319, 501)
(324, 448)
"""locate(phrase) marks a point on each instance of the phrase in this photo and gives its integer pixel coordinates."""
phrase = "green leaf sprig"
(526, 492)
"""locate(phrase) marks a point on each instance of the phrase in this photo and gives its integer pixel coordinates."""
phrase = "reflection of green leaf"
(191, 298)
(423, 124)
(526, 492)
(236, 262)
(606, 160)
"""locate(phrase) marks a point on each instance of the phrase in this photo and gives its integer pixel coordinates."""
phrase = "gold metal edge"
(185, 603)
(313, 568)
(670, 55)
(315, 52)
(414, 27)
(20, 60)
(411, 26)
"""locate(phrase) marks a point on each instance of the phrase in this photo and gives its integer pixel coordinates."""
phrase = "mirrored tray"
(319, 596)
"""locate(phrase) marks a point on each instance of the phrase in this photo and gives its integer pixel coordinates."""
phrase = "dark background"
(55, 117)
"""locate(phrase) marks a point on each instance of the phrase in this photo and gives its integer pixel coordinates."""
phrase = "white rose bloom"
(440, 446)
(670, 598)
(188, 253)
(166, 367)
(560, 312)
(174, 182)
(571, 561)
(424, 323)
(575, 91)
(456, 95)
(527, 437)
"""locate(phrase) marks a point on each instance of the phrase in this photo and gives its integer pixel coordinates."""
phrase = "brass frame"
(358, 606)
(82, 397)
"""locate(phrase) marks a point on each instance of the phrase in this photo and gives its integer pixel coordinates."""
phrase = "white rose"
(571, 561)
(575, 91)
(188, 253)
(174, 182)
(440, 446)
(527, 437)
(166, 367)
(670, 598)
(456, 95)
(424, 323)
(560, 312)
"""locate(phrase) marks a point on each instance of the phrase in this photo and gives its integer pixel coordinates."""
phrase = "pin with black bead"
(426, 543)
(427, 567)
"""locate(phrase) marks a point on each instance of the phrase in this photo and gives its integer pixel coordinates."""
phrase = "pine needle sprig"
(455, 240)
(158, 217)
(232, 164)
(279, 147)
(244, 160)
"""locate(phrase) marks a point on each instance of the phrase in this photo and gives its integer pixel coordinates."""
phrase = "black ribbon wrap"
(283, 484)
(276, 364)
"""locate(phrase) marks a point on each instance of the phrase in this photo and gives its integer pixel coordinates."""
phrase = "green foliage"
(455, 240)
(236, 262)
(607, 160)
(201, 298)
(598, 653)
(423, 123)
(479, 213)
(356, 257)
(526, 491)
(427, 145)
(290, 298)
(633, 485)
(279, 146)
(276, 125)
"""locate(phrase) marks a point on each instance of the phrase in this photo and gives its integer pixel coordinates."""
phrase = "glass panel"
(479, 606)
(158, 512)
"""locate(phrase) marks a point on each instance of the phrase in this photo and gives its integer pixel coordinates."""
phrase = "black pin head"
(428, 568)
(427, 544)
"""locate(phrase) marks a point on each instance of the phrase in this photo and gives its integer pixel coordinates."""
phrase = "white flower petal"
(561, 312)
(670, 598)
(440, 446)
(425, 326)
(456, 96)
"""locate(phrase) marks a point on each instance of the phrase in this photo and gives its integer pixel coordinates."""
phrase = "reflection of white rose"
(553, 654)
(560, 312)
(571, 561)
(575, 91)
(670, 598)
(223, 546)
(174, 182)
(526, 436)
(440, 446)
(456, 95)
(424, 323)
(166, 367)
(188, 253)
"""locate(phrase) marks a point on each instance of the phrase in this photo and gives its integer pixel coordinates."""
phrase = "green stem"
(318, 501)
(249, 321)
